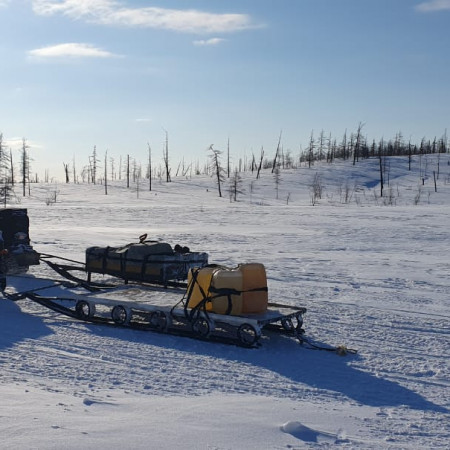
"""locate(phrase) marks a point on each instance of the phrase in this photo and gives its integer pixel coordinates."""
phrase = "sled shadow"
(318, 369)
(286, 357)
(16, 326)
(328, 371)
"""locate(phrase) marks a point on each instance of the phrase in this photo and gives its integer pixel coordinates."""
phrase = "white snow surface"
(373, 274)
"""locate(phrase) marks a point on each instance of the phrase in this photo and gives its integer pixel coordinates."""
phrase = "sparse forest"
(227, 171)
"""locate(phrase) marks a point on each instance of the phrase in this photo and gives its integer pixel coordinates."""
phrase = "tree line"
(321, 147)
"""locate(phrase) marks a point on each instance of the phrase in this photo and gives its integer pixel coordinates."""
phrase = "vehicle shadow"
(301, 368)
(17, 326)
(329, 371)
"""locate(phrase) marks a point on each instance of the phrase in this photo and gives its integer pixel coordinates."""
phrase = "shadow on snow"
(284, 356)
(317, 369)
(16, 326)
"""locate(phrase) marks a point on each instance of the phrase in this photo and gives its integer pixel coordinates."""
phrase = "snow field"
(373, 277)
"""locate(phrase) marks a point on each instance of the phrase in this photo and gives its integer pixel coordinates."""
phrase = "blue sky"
(118, 73)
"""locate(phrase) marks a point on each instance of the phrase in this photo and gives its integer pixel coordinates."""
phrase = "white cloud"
(16, 143)
(72, 50)
(111, 12)
(434, 5)
(212, 41)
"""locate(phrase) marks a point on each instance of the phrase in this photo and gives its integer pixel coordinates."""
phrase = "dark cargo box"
(14, 227)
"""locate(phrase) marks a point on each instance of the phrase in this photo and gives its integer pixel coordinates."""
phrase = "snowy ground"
(373, 274)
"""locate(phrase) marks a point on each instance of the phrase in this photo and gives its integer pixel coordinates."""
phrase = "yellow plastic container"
(255, 297)
(246, 286)
(199, 280)
(227, 279)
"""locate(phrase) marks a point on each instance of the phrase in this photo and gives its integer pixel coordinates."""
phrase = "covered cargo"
(146, 261)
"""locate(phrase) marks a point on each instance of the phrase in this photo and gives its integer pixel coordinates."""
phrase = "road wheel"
(120, 315)
(159, 320)
(202, 327)
(248, 335)
(84, 310)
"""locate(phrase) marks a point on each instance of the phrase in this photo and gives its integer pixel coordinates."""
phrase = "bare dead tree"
(24, 165)
(288, 197)
(6, 190)
(311, 150)
(228, 158)
(106, 172)
(274, 164)
(380, 156)
(357, 144)
(321, 145)
(135, 170)
(216, 167)
(74, 171)
(113, 168)
(166, 157)
(344, 146)
(66, 171)
(329, 150)
(409, 155)
(277, 178)
(316, 189)
(186, 170)
(235, 186)
(149, 167)
(4, 162)
(12, 168)
(261, 159)
(128, 171)
(93, 162)
(253, 165)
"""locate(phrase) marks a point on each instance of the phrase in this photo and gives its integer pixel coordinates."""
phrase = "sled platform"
(148, 310)
(153, 307)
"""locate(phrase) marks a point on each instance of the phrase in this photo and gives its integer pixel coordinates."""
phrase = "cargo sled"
(146, 261)
(220, 304)
(228, 305)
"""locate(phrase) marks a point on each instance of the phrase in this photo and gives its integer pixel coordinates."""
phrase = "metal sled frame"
(239, 330)
(95, 307)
